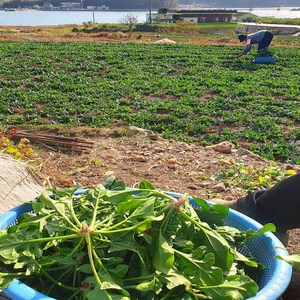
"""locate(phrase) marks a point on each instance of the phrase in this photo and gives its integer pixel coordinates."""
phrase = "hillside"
(155, 4)
(245, 3)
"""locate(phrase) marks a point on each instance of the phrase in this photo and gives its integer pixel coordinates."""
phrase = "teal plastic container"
(265, 60)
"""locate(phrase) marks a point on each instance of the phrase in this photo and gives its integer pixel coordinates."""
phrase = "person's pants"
(268, 37)
(279, 205)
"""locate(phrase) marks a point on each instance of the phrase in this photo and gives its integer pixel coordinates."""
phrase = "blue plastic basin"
(272, 283)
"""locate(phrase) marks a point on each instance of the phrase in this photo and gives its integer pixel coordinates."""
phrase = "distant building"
(160, 18)
(47, 6)
(103, 7)
(196, 16)
(70, 5)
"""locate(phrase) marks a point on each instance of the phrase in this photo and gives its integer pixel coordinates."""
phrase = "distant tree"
(130, 20)
(130, 4)
(112, 4)
(162, 10)
(156, 4)
(18, 3)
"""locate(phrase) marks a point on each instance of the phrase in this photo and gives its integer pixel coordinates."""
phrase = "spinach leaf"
(126, 244)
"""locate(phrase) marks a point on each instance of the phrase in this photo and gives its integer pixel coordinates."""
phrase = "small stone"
(205, 183)
(193, 174)
(139, 158)
(104, 131)
(136, 131)
(218, 188)
(109, 173)
(243, 151)
(224, 147)
(172, 160)
(230, 198)
(193, 187)
(290, 167)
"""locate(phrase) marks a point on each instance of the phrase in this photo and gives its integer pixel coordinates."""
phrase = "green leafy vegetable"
(293, 259)
(122, 243)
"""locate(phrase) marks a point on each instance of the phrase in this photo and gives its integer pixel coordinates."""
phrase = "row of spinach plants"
(185, 92)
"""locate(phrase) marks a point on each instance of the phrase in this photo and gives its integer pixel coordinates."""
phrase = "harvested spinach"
(115, 243)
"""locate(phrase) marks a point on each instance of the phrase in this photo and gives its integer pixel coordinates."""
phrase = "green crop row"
(185, 92)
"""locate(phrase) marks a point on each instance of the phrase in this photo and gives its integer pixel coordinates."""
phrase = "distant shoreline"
(37, 17)
(292, 8)
(73, 9)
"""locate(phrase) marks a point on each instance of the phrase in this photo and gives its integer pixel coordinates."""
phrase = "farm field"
(193, 93)
(184, 92)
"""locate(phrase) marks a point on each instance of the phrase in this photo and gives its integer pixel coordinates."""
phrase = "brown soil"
(132, 155)
(66, 33)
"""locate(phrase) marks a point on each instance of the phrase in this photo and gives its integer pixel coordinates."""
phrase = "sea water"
(41, 17)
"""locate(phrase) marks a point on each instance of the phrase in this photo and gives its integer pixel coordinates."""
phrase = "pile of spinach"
(110, 242)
